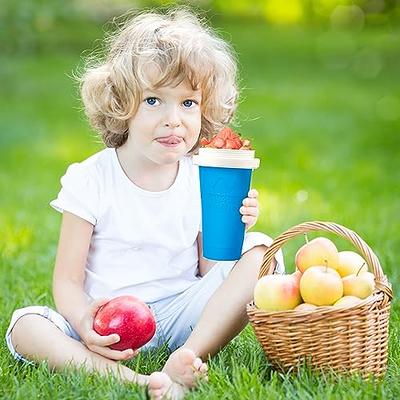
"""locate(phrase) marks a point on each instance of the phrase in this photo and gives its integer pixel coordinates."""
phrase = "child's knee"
(256, 254)
(23, 327)
(255, 257)
(259, 250)
(258, 243)
(251, 260)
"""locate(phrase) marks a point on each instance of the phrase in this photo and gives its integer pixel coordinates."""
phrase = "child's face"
(167, 123)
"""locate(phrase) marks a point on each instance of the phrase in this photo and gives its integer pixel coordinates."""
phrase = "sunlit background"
(320, 99)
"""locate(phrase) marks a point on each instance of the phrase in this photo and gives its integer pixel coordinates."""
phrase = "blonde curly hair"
(183, 47)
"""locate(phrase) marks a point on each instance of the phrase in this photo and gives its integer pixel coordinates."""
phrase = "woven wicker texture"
(345, 339)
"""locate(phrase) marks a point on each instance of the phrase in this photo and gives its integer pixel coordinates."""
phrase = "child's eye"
(189, 103)
(152, 101)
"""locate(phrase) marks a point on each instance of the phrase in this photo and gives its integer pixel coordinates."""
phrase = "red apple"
(277, 292)
(128, 317)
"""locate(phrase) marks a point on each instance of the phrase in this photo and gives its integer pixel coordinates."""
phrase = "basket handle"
(381, 280)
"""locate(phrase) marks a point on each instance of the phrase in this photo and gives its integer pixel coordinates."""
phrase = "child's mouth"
(170, 141)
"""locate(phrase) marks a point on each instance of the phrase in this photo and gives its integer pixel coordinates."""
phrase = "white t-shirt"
(143, 243)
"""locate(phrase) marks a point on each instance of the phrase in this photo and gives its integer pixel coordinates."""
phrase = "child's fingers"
(133, 354)
(253, 193)
(248, 220)
(136, 352)
(249, 211)
(250, 202)
(93, 338)
(113, 354)
(100, 344)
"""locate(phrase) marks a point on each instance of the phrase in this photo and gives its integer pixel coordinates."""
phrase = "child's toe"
(197, 363)
(186, 356)
(204, 368)
(158, 385)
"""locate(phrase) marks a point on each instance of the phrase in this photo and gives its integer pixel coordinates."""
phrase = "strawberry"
(229, 144)
(225, 133)
(232, 134)
(238, 143)
(226, 138)
(218, 142)
(232, 144)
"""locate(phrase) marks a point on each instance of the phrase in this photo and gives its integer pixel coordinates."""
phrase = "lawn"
(322, 110)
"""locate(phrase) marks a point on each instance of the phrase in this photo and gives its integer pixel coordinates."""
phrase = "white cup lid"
(226, 158)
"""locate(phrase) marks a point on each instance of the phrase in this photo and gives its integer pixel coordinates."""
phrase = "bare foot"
(185, 368)
(160, 386)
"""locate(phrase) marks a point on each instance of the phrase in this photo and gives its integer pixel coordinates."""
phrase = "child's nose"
(172, 118)
(172, 124)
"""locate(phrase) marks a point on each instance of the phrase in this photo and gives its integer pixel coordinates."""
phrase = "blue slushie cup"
(225, 177)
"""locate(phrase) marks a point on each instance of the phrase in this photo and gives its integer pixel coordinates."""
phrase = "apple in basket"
(346, 301)
(350, 263)
(128, 317)
(321, 286)
(319, 251)
(305, 307)
(277, 292)
(361, 284)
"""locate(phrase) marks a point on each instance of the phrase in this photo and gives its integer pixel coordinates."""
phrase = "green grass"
(328, 151)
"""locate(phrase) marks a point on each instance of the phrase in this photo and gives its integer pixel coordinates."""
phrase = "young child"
(131, 220)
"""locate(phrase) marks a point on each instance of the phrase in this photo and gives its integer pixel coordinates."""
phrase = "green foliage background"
(26, 25)
(320, 99)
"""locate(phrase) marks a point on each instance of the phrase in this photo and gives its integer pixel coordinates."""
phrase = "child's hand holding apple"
(98, 343)
(127, 317)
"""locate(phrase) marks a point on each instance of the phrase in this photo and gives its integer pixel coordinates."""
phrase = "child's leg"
(37, 338)
(223, 317)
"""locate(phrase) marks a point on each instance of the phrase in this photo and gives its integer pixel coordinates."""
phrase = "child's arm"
(69, 271)
(68, 284)
(204, 264)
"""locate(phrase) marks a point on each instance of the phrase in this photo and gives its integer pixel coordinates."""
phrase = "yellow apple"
(277, 293)
(305, 307)
(347, 301)
(321, 286)
(350, 263)
(368, 275)
(319, 251)
(360, 285)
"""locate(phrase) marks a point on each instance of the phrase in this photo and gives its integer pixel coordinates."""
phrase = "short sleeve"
(79, 193)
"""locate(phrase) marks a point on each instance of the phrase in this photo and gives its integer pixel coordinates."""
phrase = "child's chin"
(171, 157)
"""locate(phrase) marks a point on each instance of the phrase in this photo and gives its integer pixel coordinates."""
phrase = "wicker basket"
(346, 339)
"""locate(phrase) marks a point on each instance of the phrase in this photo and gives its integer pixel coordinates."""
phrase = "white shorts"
(175, 316)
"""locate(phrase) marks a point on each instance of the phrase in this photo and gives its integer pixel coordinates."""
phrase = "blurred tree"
(28, 25)
(23, 22)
